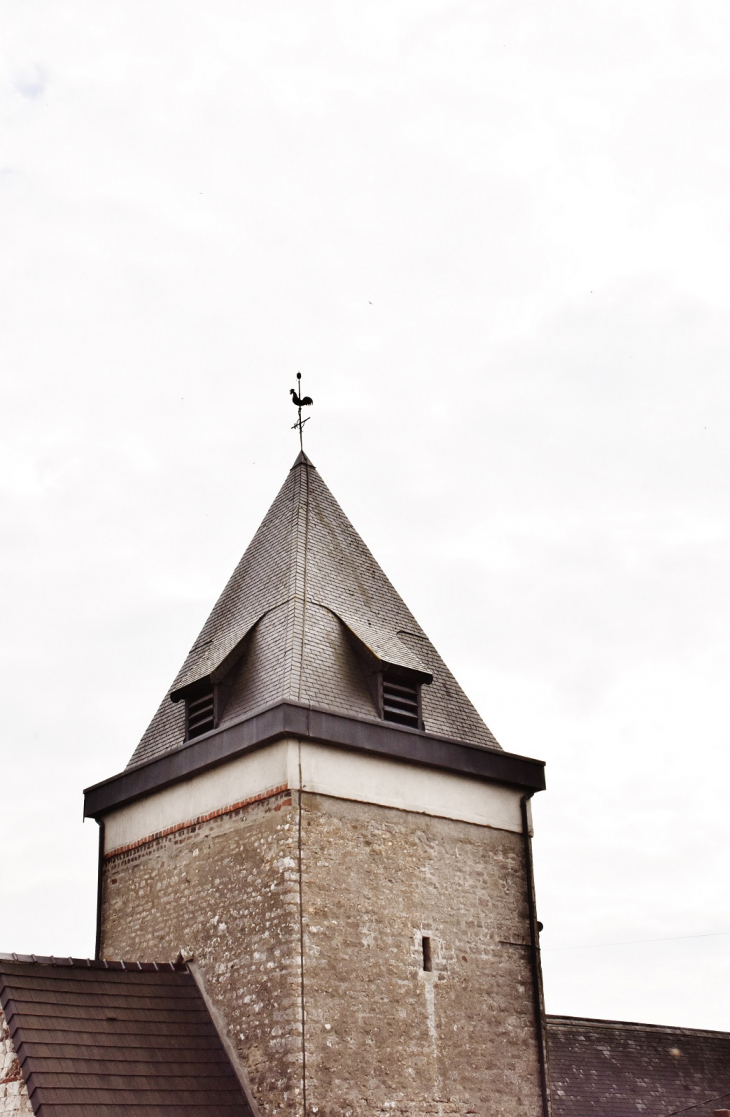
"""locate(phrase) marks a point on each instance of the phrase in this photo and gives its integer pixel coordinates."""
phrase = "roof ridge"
(296, 614)
(115, 965)
(558, 1020)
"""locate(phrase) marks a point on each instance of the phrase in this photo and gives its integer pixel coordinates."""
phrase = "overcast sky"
(494, 236)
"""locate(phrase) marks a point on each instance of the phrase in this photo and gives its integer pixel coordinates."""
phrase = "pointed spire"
(307, 616)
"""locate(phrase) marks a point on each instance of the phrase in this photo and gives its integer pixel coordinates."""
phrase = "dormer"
(200, 711)
(205, 702)
(400, 698)
(394, 674)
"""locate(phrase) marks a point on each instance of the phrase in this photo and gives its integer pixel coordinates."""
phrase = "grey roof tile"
(608, 1067)
(283, 627)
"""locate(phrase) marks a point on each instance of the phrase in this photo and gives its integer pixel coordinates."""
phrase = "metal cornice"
(308, 723)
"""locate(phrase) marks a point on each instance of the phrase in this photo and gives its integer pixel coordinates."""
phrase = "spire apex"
(302, 459)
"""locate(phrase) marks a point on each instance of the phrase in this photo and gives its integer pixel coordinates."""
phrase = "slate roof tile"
(610, 1068)
(282, 628)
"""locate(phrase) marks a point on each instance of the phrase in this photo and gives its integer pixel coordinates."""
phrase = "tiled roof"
(113, 1038)
(305, 596)
(609, 1068)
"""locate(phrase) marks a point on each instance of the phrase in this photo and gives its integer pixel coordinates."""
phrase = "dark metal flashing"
(292, 719)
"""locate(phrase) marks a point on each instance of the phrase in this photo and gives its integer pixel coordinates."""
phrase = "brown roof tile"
(103, 1039)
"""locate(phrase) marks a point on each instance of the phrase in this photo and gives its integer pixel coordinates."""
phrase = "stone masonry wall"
(13, 1093)
(226, 892)
(382, 1036)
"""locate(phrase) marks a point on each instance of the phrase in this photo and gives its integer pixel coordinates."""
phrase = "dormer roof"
(308, 616)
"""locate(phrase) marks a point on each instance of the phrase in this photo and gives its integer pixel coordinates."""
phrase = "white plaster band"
(324, 770)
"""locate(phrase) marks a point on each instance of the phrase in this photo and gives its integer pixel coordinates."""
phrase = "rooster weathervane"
(300, 402)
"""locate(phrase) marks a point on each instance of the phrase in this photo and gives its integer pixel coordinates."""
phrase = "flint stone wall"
(13, 1093)
(381, 1036)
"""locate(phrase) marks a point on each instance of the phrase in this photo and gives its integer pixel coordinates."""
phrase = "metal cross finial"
(300, 402)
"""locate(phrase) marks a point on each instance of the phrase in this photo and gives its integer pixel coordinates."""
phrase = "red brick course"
(268, 794)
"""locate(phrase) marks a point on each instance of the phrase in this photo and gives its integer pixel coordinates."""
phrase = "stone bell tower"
(319, 816)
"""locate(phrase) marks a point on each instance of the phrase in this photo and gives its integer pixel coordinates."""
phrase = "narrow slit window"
(426, 947)
(200, 714)
(400, 702)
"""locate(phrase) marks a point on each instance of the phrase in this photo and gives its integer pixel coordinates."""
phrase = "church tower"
(321, 819)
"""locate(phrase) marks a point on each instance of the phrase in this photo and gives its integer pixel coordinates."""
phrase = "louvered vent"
(201, 714)
(400, 702)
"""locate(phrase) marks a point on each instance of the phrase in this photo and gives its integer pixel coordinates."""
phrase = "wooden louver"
(400, 702)
(200, 714)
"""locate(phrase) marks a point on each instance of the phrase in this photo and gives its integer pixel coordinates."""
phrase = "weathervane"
(300, 402)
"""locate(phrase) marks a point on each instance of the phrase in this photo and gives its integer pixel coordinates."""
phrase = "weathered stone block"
(13, 1093)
